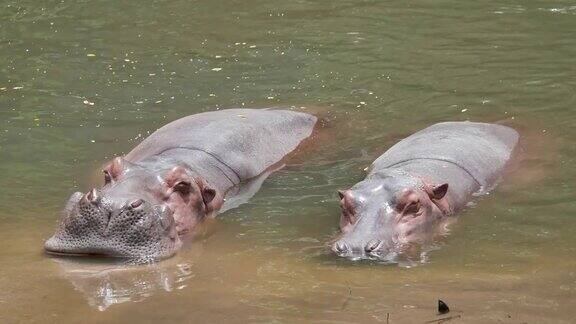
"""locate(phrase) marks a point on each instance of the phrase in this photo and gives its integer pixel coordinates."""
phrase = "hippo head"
(136, 214)
(384, 218)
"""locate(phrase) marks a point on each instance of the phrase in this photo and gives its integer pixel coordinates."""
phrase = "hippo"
(173, 180)
(412, 190)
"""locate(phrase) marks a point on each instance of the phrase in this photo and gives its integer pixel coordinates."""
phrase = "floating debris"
(464, 110)
(442, 307)
(90, 54)
(217, 69)
(18, 88)
(89, 103)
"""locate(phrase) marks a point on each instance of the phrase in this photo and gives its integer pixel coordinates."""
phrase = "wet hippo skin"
(412, 189)
(172, 180)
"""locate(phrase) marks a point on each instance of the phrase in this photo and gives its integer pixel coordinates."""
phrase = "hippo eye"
(412, 208)
(107, 177)
(183, 187)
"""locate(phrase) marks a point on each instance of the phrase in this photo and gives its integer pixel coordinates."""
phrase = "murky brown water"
(83, 81)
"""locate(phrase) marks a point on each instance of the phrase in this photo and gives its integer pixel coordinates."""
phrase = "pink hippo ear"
(208, 195)
(438, 192)
(347, 205)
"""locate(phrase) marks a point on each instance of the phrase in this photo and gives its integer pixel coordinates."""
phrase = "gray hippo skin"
(412, 189)
(175, 178)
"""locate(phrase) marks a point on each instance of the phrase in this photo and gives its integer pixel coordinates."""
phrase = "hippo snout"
(117, 226)
(358, 250)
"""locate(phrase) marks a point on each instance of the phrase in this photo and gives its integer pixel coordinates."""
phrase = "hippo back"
(248, 141)
(482, 150)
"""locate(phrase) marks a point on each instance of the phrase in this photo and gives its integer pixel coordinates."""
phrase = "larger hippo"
(413, 188)
(172, 180)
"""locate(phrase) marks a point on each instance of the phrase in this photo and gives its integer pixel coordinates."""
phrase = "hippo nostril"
(136, 203)
(372, 245)
(340, 247)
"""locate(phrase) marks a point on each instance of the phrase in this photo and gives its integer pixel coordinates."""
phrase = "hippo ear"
(208, 195)
(341, 194)
(438, 192)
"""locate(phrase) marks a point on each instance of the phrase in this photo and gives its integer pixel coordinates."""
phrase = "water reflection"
(105, 282)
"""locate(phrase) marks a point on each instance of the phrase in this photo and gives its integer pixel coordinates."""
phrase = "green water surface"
(83, 81)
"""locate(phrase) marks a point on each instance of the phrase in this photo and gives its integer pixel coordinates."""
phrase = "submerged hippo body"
(173, 179)
(412, 189)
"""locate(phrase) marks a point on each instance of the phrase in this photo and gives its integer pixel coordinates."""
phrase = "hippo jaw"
(94, 225)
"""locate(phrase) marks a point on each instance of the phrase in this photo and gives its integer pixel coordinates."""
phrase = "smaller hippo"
(412, 189)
